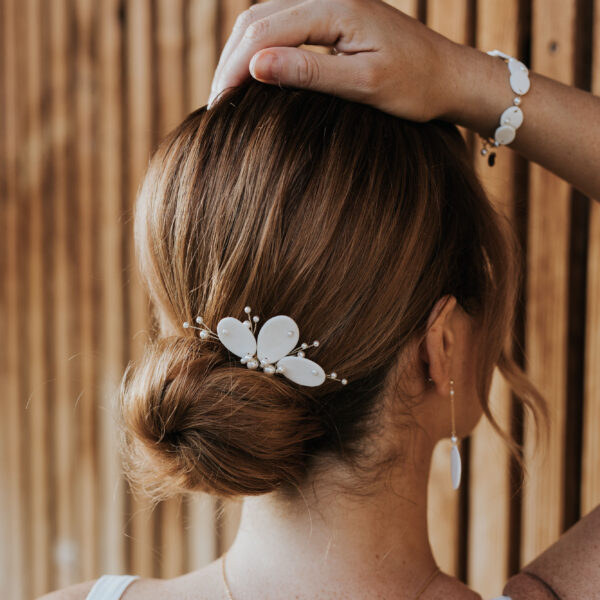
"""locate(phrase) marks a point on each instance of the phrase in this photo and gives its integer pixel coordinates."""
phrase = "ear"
(438, 345)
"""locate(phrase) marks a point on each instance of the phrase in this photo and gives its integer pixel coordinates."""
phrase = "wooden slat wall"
(445, 504)
(547, 291)
(86, 91)
(496, 26)
(591, 440)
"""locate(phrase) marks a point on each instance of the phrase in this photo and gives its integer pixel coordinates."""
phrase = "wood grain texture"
(111, 305)
(590, 484)
(547, 293)
(38, 391)
(202, 52)
(489, 482)
(14, 425)
(139, 141)
(449, 19)
(87, 90)
(83, 225)
(64, 303)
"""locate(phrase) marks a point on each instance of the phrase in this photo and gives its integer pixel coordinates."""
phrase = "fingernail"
(265, 67)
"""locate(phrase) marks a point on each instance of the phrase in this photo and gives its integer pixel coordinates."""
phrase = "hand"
(384, 57)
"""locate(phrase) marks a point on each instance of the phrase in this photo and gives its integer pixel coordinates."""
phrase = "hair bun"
(194, 422)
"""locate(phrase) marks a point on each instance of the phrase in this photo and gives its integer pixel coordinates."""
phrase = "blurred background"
(87, 89)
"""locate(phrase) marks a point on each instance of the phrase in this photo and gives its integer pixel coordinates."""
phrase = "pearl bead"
(333, 375)
(248, 324)
(316, 343)
(264, 363)
(244, 359)
(344, 381)
(301, 354)
(280, 370)
(186, 325)
(269, 370)
(203, 334)
(252, 364)
(454, 439)
(517, 100)
(247, 309)
(199, 320)
(256, 319)
(305, 345)
(483, 151)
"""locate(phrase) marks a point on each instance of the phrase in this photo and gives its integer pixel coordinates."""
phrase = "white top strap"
(110, 587)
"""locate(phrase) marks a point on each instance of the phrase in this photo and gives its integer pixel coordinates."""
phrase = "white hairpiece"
(274, 351)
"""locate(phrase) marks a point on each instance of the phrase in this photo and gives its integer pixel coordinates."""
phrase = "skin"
(333, 545)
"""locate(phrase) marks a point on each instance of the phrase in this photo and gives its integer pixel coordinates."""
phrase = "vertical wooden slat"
(169, 38)
(171, 102)
(85, 206)
(590, 484)
(489, 481)
(111, 282)
(5, 384)
(66, 550)
(553, 33)
(489, 499)
(202, 51)
(38, 397)
(449, 19)
(138, 147)
(15, 425)
(229, 11)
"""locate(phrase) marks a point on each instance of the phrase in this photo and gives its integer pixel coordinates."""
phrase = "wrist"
(481, 90)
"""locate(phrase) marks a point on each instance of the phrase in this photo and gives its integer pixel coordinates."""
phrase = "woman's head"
(354, 223)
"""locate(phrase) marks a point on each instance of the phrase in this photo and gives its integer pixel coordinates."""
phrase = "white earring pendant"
(455, 464)
(455, 460)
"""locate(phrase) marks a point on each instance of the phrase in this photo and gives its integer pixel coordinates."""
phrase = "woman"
(372, 233)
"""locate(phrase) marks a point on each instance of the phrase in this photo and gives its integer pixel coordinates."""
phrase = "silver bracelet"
(512, 118)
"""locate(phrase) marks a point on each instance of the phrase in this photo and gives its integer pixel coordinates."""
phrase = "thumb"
(342, 75)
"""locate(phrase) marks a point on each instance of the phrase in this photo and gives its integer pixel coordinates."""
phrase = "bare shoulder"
(79, 591)
(204, 581)
(522, 587)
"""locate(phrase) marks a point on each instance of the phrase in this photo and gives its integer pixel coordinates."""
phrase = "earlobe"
(438, 345)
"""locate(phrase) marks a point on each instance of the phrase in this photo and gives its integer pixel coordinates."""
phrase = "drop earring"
(455, 460)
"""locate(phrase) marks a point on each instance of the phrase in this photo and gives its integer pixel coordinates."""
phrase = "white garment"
(111, 587)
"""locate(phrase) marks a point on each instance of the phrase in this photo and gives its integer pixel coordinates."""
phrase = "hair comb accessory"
(275, 349)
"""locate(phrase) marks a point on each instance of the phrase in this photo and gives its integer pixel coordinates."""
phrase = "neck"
(333, 541)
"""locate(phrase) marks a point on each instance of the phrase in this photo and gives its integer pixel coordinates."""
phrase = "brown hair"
(349, 220)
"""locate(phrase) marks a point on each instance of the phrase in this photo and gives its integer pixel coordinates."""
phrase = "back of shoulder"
(78, 591)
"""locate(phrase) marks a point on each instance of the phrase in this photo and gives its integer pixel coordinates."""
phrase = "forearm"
(561, 126)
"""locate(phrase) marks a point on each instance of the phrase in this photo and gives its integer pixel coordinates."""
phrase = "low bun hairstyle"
(352, 222)
(246, 436)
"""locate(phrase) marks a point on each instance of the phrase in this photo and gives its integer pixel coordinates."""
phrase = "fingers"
(246, 18)
(349, 77)
(308, 22)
